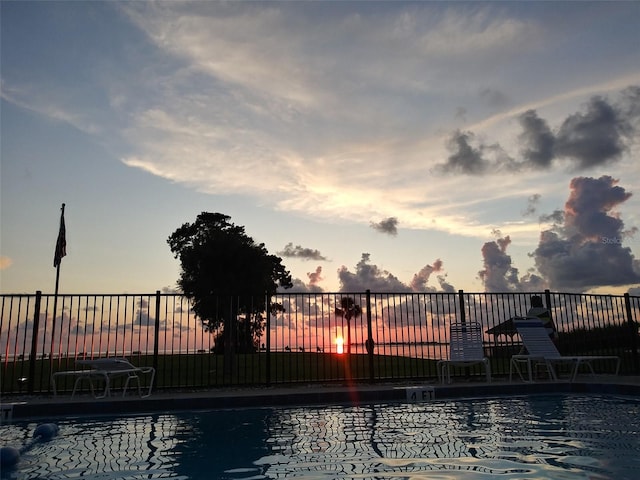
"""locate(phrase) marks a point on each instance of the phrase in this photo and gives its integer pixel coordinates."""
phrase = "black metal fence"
(312, 338)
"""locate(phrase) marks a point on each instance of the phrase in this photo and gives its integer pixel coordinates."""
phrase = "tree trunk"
(229, 348)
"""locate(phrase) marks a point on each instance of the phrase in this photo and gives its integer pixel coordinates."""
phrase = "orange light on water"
(340, 345)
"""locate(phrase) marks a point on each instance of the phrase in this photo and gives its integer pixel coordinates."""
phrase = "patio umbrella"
(505, 328)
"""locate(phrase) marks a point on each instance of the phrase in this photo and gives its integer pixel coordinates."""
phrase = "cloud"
(277, 110)
(494, 97)
(461, 114)
(468, 159)
(300, 287)
(464, 158)
(630, 108)
(142, 316)
(595, 137)
(588, 211)
(582, 250)
(170, 290)
(532, 204)
(444, 285)
(388, 226)
(312, 287)
(537, 140)
(556, 217)
(315, 277)
(371, 277)
(498, 274)
(301, 252)
(586, 250)
(420, 279)
(598, 135)
(5, 262)
(212, 91)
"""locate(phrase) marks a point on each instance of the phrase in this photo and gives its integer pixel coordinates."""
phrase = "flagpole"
(55, 308)
(61, 251)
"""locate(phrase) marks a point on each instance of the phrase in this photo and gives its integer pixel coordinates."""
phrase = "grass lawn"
(205, 370)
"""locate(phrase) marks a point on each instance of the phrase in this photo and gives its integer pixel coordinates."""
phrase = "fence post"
(547, 301)
(370, 343)
(463, 318)
(34, 343)
(547, 304)
(634, 333)
(156, 333)
(268, 346)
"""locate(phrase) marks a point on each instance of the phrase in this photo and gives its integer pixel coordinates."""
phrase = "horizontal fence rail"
(297, 338)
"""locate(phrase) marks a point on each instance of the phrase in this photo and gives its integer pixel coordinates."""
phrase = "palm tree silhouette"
(348, 309)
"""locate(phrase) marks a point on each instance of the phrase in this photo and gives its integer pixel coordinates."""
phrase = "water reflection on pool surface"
(529, 437)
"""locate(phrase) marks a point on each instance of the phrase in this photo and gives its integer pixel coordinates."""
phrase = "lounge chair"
(465, 349)
(106, 370)
(542, 352)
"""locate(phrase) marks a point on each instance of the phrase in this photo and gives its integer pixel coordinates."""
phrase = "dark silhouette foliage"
(598, 339)
(348, 309)
(227, 277)
(249, 329)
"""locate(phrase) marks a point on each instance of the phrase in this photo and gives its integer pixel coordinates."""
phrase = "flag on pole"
(61, 243)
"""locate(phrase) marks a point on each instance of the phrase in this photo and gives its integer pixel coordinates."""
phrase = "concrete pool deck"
(42, 406)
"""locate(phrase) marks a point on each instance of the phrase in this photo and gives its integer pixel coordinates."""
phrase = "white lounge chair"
(107, 369)
(465, 349)
(541, 351)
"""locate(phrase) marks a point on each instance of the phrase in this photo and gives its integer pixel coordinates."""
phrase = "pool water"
(533, 437)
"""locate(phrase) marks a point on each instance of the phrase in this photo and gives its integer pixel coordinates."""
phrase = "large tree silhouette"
(227, 277)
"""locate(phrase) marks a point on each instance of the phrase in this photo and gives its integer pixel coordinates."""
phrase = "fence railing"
(311, 337)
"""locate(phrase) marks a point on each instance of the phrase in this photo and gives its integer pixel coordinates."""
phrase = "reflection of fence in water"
(545, 436)
(127, 447)
(542, 436)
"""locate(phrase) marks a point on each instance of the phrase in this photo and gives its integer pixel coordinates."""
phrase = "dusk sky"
(395, 146)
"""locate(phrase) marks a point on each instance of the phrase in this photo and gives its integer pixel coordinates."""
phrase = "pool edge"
(307, 396)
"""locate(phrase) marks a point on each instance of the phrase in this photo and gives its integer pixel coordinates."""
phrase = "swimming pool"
(532, 437)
